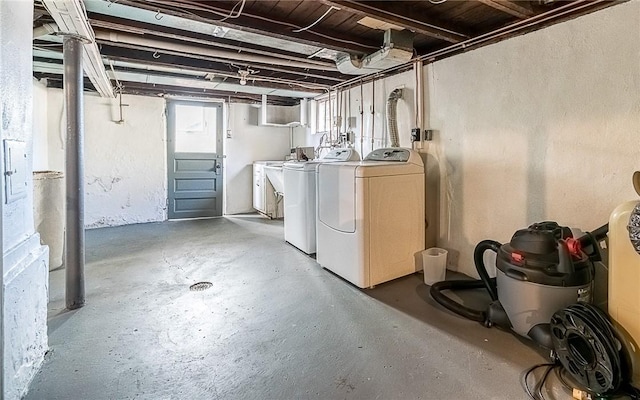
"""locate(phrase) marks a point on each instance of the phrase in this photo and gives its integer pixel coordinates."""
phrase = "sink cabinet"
(265, 200)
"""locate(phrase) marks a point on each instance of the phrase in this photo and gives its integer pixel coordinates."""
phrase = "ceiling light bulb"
(243, 81)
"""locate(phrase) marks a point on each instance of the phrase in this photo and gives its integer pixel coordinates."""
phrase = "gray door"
(194, 151)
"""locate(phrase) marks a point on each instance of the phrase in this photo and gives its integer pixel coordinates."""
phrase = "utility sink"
(276, 177)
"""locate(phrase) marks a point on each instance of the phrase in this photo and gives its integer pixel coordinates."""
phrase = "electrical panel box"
(15, 170)
(415, 134)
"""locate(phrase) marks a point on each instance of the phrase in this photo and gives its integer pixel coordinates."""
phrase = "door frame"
(220, 157)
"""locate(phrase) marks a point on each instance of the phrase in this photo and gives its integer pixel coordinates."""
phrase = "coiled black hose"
(453, 306)
(586, 346)
(484, 282)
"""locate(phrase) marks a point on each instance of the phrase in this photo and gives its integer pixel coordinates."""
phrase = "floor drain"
(200, 286)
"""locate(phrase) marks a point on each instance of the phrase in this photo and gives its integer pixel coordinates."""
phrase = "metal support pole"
(74, 172)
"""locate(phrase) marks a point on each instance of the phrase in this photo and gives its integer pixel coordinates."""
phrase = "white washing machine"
(370, 220)
(300, 198)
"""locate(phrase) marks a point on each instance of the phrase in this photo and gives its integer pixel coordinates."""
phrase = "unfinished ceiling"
(287, 49)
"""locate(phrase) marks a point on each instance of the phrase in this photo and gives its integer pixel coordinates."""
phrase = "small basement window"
(324, 113)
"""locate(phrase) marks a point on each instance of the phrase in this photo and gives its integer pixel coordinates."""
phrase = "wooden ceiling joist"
(390, 13)
(190, 47)
(519, 9)
(268, 25)
(131, 52)
(106, 23)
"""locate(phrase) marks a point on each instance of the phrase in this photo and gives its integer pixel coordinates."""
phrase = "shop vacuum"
(542, 291)
(540, 271)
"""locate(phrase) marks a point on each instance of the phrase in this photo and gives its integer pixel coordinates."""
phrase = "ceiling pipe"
(44, 30)
(190, 49)
(419, 98)
(396, 50)
(392, 116)
(198, 71)
(194, 83)
(557, 12)
(71, 18)
(205, 42)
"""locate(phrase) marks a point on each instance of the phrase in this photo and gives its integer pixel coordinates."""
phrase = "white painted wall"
(371, 128)
(371, 132)
(539, 127)
(250, 142)
(125, 167)
(40, 138)
(125, 163)
(24, 272)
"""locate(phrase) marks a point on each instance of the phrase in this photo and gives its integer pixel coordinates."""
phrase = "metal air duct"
(392, 116)
(396, 50)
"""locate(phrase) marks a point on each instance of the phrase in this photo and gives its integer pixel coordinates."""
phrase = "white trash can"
(49, 213)
(434, 265)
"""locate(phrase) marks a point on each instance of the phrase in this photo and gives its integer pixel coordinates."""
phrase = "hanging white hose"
(373, 114)
(331, 120)
(392, 117)
(361, 122)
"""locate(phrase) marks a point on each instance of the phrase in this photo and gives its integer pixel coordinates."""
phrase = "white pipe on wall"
(373, 114)
(361, 122)
(419, 99)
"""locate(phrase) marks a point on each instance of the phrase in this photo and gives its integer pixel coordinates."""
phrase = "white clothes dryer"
(300, 198)
(370, 220)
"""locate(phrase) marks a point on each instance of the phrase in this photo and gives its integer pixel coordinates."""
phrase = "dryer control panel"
(389, 154)
(342, 155)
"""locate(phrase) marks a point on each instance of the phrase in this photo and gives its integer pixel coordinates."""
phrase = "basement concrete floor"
(274, 325)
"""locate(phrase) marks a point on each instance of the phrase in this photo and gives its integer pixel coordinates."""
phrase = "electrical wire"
(203, 7)
(626, 392)
(632, 392)
(592, 325)
(318, 20)
(231, 16)
(560, 374)
(540, 384)
(437, 1)
(119, 85)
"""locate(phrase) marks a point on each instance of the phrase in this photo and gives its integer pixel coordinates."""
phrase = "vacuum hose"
(484, 282)
(478, 259)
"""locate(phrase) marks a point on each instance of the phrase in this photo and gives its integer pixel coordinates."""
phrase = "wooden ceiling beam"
(146, 57)
(396, 15)
(266, 25)
(519, 9)
(135, 27)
